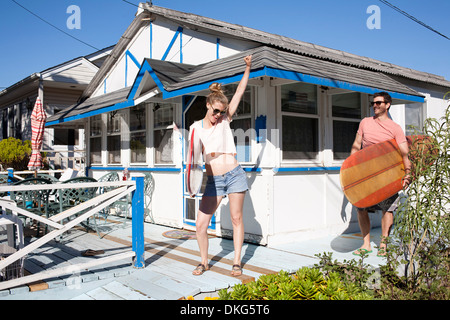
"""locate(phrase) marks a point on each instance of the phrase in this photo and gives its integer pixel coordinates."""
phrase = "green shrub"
(305, 284)
(15, 154)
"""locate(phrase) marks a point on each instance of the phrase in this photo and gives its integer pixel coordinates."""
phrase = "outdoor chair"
(35, 201)
(5, 179)
(48, 177)
(68, 198)
(109, 177)
(124, 205)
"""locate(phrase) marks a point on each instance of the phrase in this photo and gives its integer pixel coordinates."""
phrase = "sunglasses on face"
(378, 103)
(216, 111)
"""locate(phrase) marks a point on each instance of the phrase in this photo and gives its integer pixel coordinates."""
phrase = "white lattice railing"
(94, 205)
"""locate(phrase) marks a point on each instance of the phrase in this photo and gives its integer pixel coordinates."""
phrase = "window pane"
(95, 150)
(163, 116)
(347, 105)
(96, 125)
(65, 137)
(163, 146)
(245, 105)
(413, 118)
(343, 136)
(137, 118)
(138, 147)
(114, 122)
(299, 98)
(190, 209)
(300, 138)
(242, 138)
(113, 147)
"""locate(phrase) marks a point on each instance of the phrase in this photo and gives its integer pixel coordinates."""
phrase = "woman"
(225, 175)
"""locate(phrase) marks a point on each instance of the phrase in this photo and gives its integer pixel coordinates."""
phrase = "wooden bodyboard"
(372, 174)
(375, 173)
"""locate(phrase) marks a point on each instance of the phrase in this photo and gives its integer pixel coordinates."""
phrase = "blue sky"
(29, 45)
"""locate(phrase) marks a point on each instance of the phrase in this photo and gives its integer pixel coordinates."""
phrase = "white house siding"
(81, 73)
(197, 48)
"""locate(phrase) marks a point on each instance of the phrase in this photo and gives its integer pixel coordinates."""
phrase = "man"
(373, 130)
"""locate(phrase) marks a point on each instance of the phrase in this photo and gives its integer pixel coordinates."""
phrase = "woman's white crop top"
(218, 138)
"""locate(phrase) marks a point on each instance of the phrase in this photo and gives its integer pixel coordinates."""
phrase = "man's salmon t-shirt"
(372, 131)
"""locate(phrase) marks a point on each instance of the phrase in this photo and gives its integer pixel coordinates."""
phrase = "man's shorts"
(231, 182)
(390, 204)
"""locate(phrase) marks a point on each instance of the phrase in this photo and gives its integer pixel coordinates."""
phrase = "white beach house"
(293, 129)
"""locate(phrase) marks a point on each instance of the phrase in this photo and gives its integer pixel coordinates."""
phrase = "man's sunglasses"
(378, 103)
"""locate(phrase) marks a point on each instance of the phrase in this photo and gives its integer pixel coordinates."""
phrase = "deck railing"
(81, 213)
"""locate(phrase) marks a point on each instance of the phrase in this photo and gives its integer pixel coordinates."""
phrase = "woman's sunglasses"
(216, 111)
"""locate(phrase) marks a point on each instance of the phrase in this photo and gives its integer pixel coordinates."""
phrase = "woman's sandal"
(236, 270)
(199, 270)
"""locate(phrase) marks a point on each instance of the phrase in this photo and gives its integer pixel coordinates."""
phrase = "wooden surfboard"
(373, 174)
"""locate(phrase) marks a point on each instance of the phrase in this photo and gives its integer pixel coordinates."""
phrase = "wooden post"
(137, 211)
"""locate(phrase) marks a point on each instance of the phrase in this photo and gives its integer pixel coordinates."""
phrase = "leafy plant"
(14, 153)
(421, 237)
(305, 284)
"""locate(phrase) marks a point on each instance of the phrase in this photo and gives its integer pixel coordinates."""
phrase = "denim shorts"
(231, 182)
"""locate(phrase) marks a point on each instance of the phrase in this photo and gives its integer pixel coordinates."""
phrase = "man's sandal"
(236, 270)
(359, 251)
(199, 270)
(382, 253)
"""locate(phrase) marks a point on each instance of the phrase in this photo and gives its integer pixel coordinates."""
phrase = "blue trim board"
(218, 48)
(305, 169)
(172, 42)
(291, 75)
(151, 40)
(128, 54)
(283, 74)
(153, 169)
(114, 107)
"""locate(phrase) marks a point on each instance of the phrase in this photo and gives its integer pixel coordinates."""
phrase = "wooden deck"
(169, 265)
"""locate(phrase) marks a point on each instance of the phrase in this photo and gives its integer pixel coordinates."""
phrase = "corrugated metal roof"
(91, 104)
(205, 24)
(175, 76)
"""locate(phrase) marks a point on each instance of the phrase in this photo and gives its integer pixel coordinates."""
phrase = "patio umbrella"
(38, 118)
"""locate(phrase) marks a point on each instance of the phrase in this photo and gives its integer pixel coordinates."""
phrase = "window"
(113, 139)
(95, 137)
(242, 122)
(300, 121)
(413, 118)
(162, 134)
(346, 113)
(66, 137)
(138, 136)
